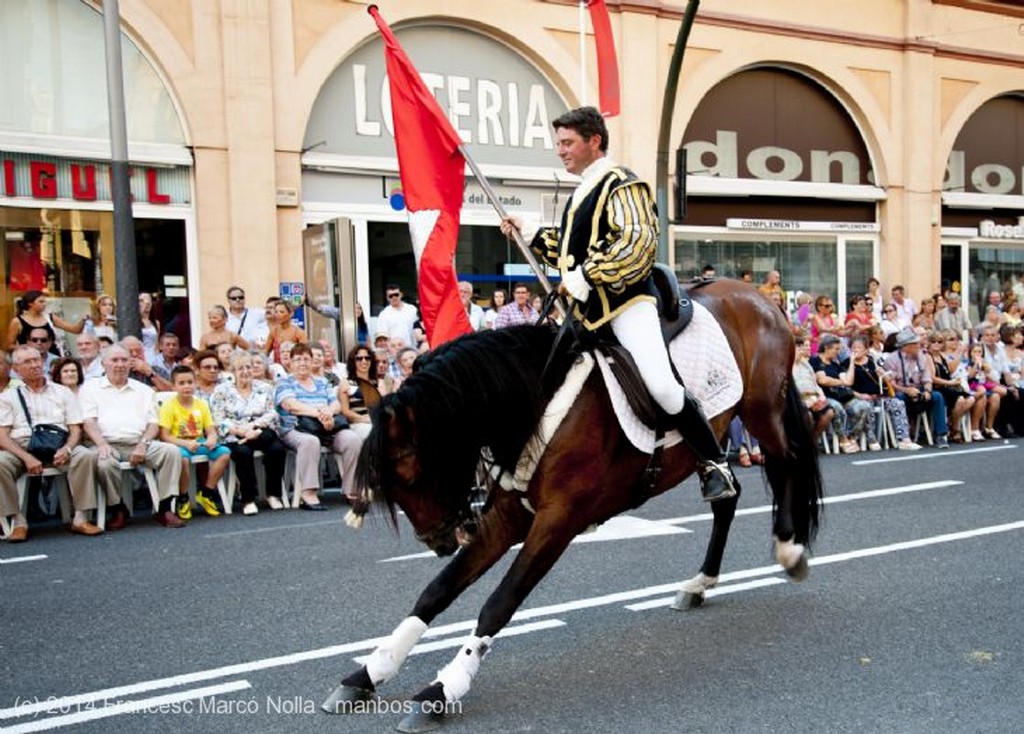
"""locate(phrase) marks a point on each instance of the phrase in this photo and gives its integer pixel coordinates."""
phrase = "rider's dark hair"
(586, 121)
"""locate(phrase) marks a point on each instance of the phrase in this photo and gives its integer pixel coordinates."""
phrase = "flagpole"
(583, 53)
(516, 234)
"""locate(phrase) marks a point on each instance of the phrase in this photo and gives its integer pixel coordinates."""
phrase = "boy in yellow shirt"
(186, 422)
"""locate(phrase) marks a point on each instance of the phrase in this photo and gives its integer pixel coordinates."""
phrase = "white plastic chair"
(60, 477)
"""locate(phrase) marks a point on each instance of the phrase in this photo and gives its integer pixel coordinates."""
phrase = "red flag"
(433, 173)
(607, 63)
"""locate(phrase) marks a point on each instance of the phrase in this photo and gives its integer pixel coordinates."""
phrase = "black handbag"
(313, 426)
(46, 439)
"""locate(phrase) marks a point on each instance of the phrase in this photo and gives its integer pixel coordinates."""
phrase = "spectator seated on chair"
(911, 375)
(1013, 376)
(824, 412)
(872, 385)
(996, 374)
(44, 403)
(836, 379)
(301, 395)
(247, 421)
(949, 378)
(186, 422)
(120, 419)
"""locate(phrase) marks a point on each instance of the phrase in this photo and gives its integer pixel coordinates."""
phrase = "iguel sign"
(24, 176)
(498, 102)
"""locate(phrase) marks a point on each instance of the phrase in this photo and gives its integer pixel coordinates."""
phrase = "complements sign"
(776, 225)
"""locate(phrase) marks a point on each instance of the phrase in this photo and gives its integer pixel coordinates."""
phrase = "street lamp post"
(665, 130)
(129, 322)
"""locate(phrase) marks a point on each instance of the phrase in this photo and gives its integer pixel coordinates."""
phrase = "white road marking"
(918, 455)
(520, 629)
(443, 630)
(253, 531)
(23, 559)
(834, 500)
(116, 707)
(621, 527)
(717, 591)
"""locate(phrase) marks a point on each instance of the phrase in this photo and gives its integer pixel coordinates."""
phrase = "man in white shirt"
(248, 323)
(120, 418)
(906, 309)
(397, 318)
(474, 312)
(89, 355)
(44, 403)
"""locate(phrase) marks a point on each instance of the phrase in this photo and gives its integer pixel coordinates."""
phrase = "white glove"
(577, 284)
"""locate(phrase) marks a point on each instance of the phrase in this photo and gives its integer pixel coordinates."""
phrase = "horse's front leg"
(498, 532)
(548, 538)
(692, 593)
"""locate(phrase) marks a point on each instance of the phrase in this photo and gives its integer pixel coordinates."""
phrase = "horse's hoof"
(800, 570)
(425, 716)
(341, 699)
(686, 600)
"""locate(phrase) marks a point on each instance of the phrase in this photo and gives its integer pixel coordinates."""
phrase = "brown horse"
(485, 393)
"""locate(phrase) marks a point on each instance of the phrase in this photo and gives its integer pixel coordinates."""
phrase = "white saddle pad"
(708, 367)
(704, 360)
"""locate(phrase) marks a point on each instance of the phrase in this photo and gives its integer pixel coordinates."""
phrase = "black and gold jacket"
(611, 232)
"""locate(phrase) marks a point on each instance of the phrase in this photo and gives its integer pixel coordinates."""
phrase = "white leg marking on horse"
(788, 553)
(699, 584)
(383, 663)
(457, 675)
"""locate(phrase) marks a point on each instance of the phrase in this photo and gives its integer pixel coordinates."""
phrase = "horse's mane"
(483, 389)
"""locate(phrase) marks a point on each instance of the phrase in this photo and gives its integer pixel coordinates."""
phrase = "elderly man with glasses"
(39, 402)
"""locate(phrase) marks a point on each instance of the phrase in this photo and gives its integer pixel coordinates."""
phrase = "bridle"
(465, 517)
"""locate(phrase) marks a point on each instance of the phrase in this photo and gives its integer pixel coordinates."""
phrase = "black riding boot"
(716, 481)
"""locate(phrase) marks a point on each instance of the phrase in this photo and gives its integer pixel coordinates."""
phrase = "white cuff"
(576, 283)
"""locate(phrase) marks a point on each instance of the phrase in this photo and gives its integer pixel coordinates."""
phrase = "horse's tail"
(799, 470)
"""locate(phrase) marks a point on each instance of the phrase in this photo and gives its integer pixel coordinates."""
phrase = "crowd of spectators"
(256, 389)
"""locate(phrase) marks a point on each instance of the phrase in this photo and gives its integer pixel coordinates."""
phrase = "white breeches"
(639, 331)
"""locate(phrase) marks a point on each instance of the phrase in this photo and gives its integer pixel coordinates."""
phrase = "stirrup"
(716, 482)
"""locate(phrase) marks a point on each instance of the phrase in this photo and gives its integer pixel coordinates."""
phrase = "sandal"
(756, 456)
(744, 457)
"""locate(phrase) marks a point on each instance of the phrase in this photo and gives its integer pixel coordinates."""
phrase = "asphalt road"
(909, 622)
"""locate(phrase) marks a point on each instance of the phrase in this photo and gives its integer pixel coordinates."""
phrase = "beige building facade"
(830, 140)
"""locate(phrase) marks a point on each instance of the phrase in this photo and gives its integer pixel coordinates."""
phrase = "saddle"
(675, 310)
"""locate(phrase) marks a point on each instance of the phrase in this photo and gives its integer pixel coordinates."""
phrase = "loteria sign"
(47, 178)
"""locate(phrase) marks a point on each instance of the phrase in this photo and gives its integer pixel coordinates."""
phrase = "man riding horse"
(604, 250)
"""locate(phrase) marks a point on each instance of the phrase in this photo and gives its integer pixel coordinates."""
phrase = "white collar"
(591, 176)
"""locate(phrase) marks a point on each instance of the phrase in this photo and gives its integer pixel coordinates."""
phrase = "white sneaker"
(275, 503)
(250, 508)
(908, 445)
(874, 446)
